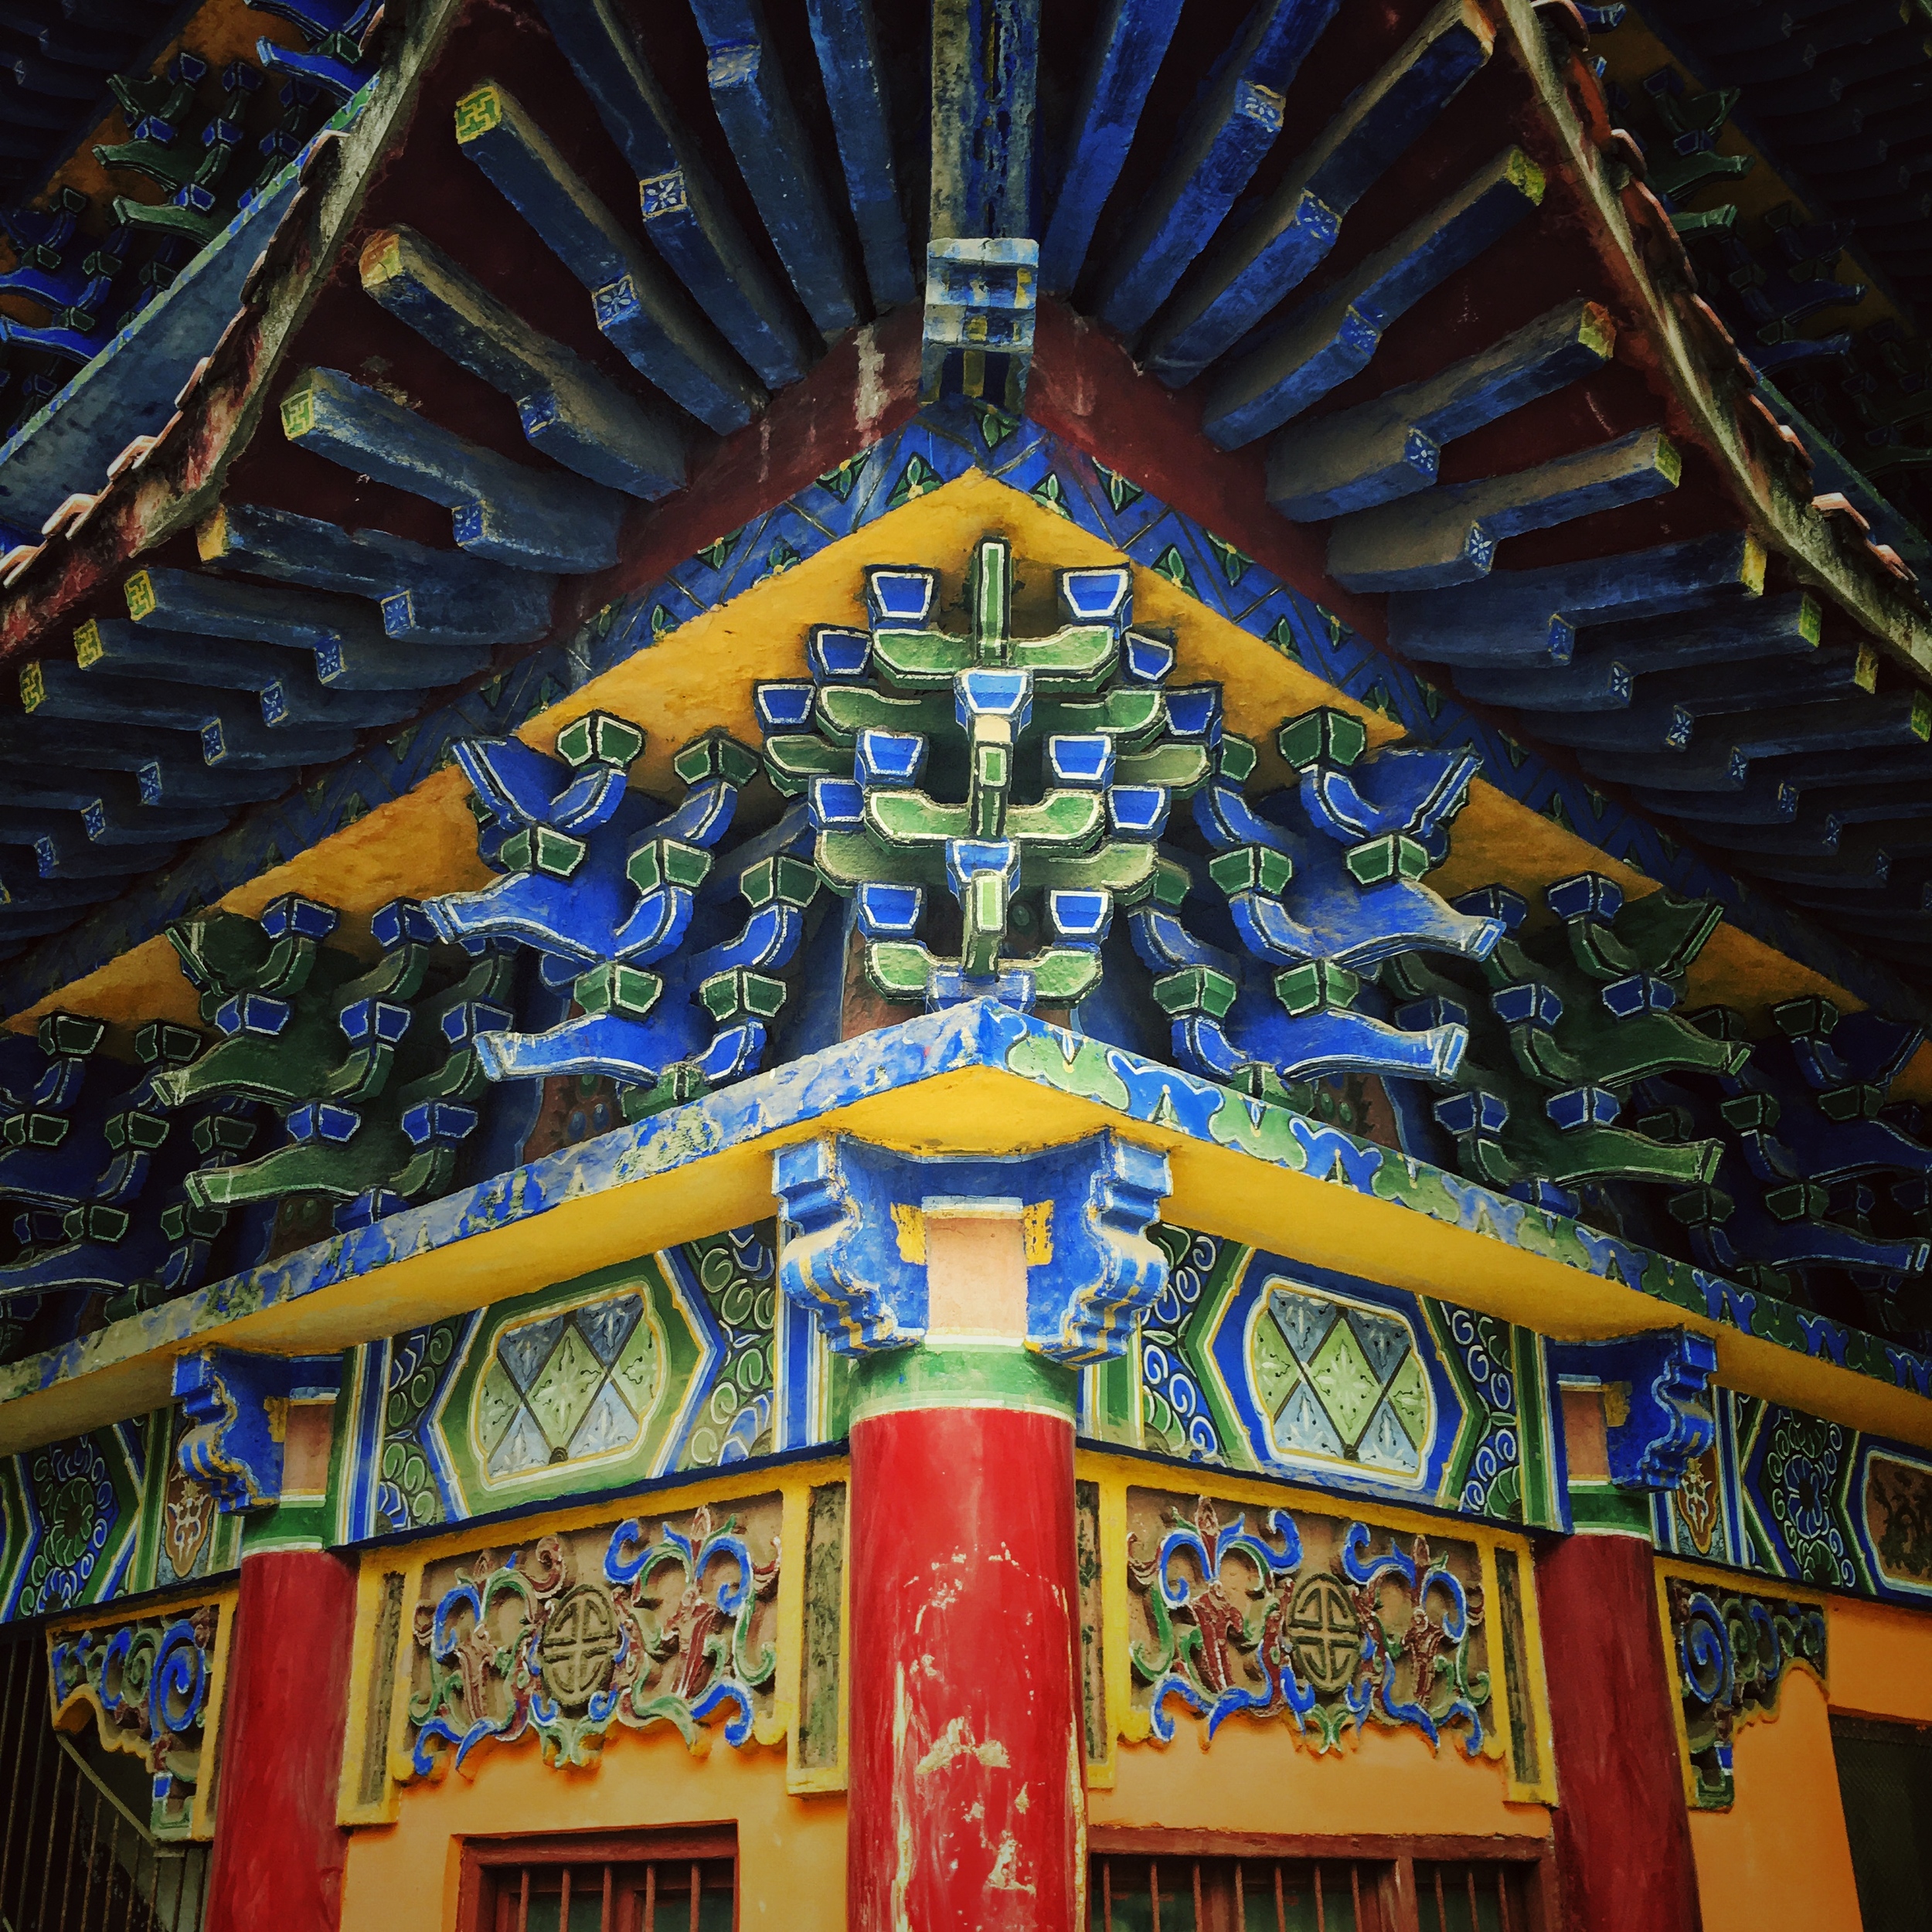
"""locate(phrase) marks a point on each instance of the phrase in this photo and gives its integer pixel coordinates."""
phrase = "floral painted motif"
(1804, 1460)
(1733, 1652)
(1898, 1518)
(187, 1516)
(1303, 1617)
(575, 1634)
(72, 1492)
(1493, 1481)
(1698, 1502)
(147, 1684)
(407, 1495)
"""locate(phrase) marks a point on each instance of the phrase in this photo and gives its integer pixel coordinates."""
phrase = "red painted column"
(1624, 1852)
(966, 1799)
(279, 1854)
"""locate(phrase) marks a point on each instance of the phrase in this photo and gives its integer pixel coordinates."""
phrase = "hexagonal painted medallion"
(1337, 1382)
(601, 1375)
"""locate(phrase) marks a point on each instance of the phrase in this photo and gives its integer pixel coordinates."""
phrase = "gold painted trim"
(802, 1780)
(350, 1810)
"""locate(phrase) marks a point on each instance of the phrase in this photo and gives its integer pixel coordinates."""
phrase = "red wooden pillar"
(963, 1287)
(966, 1799)
(1622, 1831)
(279, 1854)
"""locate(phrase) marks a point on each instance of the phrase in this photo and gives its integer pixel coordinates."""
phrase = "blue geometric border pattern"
(1334, 1378)
(1354, 1386)
(396, 1471)
(936, 447)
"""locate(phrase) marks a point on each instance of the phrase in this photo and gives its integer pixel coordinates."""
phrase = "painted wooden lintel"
(1005, 1083)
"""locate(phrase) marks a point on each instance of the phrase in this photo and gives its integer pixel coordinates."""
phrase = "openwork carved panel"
(1733, 1649)
(1325, 1623)
(667, 1620)
(151, 1685)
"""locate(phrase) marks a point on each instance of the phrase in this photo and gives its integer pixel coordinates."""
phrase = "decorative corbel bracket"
(1663, 1376)
(855, 1248)
(239, 1405)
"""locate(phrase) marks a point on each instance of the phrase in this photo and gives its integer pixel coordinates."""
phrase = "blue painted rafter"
(1233, 125)
(1250, 271)
(755, 109)
(684, 216)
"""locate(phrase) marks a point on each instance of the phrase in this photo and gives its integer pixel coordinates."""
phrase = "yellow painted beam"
(1218, 1190)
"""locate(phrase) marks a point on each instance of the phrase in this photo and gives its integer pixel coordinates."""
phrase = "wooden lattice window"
(684, 1880)
(1229, 1882)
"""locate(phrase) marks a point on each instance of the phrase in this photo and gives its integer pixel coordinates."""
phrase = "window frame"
(483, 1858)
(1398, 1900)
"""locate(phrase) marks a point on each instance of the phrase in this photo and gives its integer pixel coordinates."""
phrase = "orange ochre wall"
(1255, 1778)
(792, 1850)
(1780, 1849)
(403, 1877)
(1780, 1856)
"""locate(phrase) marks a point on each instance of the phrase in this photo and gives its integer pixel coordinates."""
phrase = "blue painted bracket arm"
(238, 1406)
(854, 1250)
(843, 1257)
(1665, 1377)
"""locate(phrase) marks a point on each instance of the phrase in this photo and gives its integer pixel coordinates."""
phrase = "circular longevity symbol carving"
(1324, 1633)
(579, 1646)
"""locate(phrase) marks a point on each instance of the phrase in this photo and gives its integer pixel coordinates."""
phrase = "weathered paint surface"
(685, 1171)
(689, 644)
(215, 414)
(1623, 1839)
(968, 1776)
(279, 1854)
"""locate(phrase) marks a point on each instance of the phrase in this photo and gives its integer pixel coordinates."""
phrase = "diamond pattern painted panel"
(1338, 1382)
(571, 1387)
